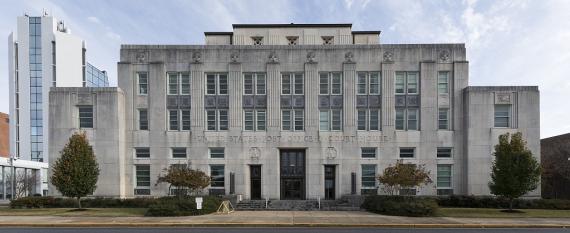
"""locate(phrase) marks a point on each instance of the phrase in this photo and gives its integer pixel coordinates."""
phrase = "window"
(400, 119)
(407, 119)
(406, 82)
(254, 120)
(185, 119)
(502, 116)
(142, 175)
(216, 84)
(407, 152)
(143, 152)
(412, 119)
(184, 84)
(368, 152)
(330, 83)
(85, 117)
(368, 83)
(143, 119)
(293, 120)
(368, 179)
(444, 179)
(330, 120)
(179, 120)
(443, 118)
(217, 120)
(173, 120)
(217, 175)
(443, 152)
(173, 83)
(254, 83)
(443, 82)
(179, 153)
(368, 119)
(217, 153)
(292, 83)
(143, 83)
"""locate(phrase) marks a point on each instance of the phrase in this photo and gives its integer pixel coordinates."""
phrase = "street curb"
(253, 225)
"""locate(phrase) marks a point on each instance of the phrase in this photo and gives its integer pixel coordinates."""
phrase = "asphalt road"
(272, 230)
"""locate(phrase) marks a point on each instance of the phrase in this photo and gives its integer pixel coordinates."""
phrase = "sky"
(517, 42)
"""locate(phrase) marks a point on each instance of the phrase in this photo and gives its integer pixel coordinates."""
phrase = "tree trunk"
(79, 202)
(511, 204)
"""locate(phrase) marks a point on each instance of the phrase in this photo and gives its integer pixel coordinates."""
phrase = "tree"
(184, 179)
(403, 175)
(76, 171)
(25, 182)
(515, 171)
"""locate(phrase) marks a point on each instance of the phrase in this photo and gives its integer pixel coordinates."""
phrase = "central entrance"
(292, 167)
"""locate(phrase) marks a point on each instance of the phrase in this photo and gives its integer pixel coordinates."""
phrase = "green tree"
(184, 179)
(402, 175)
(76, 171)
(515, 171)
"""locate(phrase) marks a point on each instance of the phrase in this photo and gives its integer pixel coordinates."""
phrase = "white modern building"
(293, 111)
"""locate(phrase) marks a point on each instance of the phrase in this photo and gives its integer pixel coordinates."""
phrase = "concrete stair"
(345, 203)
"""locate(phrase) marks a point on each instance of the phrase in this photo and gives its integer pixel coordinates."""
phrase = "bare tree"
(25, 183)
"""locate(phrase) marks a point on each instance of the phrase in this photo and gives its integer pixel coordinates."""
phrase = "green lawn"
(91, 212)
(496, 213)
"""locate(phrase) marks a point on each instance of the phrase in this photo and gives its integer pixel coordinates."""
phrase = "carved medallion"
(141, 57)
(311, 57)
(349, 57)
(254, 153)
(331, 152)
(273, 57)
(234, 57)
(388, 56)
(444, 55)
(197, 57)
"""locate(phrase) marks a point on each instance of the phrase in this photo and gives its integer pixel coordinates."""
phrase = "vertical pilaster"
(388, 99)
(236, 95)
(428, 100)
(197, 100)
(311, 98)
(460, 79)
(349, 97)
(157, 92)
(273, 97)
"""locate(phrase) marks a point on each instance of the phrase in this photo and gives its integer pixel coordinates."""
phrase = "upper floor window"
(216, 84)
(368, 119)
(142, 80)
(85, 117)
(217, 152)
(330, 120)
(178, 83)
(293, 120)
(368, 83)
(142, 152)
(443, 119)
(143, 119)
(328, 40)
(407, 152)
(254, 83)
(406, 82)
(255, 120)
(217, 120)
(443, 82)
(292, 83)
(330, 83)
(179, 120)
(407, 119)
(257, 40)
(368, 152)
(502, 115)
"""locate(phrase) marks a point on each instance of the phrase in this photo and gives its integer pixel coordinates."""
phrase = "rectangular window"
(400, 119)
(502, 115)
(444, 179)
(324, 84)
(260, 84)
(143, 152)
(443, 82)
(143, 119)
(407, 152)
(285, 84)
(406, 82)
(254, 120)
(412, 119)
(217, 153)
(223, 119)
(223, 84)
(260, 120)
(142, 175)
(443, 119)
(173, 120)
(185, 119)
(374, 88)
(211, 84)
(211, 123)
(299, 120)
(400, 83)
(298, 84)
(368, 152)
(179, 153)
(249, 120)
(412, 79)
(374, 119)
(368, 83)
(336, 120)
(248, 84)
(254, 83)
(368, 119)
(361, 119)
(217, 120)
(324, 120)
(173, 83)
(336, 81)
(361, 84)
(85, 117)
(143, 83)
(217, 175)
(443, 152)
(286, 120)
(185, 84)
(368, 179)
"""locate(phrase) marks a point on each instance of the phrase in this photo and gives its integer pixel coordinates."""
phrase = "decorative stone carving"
(388, 56)
(273, 57)
(197, 57)
(257, 40)
(349, 57)
(292, 40)
(254, 153)
(331, 153)
(328, 40)
(444, 55)
(503, 98)
(234, 57)
(311, 57)
(141, 57)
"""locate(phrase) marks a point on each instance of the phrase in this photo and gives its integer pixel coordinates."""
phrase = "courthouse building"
(293, 111)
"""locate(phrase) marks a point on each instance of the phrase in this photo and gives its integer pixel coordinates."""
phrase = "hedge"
(401, 205)
(459, 201)
(183, 207)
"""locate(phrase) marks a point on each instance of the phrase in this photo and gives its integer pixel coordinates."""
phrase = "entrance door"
(255, 181)
(292, 167)
(330, 180)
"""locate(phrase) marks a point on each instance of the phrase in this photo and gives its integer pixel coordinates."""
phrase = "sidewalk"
(285, 219)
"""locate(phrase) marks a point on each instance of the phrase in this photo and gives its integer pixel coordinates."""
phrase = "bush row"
(497, 202)
(401, 205)
(183, 207)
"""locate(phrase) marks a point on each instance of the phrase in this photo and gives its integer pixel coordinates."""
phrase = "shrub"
(459, 201)
(183, 207)
(401, 205)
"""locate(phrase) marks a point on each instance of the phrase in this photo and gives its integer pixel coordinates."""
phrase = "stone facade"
(383, 102)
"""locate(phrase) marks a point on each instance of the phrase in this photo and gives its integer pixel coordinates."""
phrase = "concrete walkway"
(287, 219)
